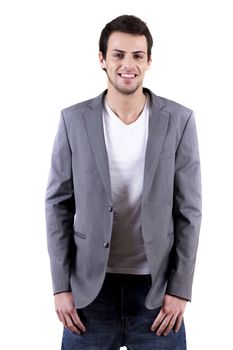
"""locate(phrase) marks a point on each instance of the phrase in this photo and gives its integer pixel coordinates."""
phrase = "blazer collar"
(94, 125)
(158, 124)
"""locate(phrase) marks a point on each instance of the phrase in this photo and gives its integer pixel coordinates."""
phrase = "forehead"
(127, 42)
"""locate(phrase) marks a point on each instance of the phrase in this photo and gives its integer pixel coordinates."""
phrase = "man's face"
(126, 61)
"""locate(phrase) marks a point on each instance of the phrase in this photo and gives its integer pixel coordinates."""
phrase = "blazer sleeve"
(60, 210)
(186, 213)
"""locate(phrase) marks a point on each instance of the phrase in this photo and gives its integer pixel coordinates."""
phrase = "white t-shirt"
(126, 149)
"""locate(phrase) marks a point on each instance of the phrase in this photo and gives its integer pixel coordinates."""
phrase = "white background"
(49, 61)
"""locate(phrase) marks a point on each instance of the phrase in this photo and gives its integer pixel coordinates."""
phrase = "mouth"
(127, 75)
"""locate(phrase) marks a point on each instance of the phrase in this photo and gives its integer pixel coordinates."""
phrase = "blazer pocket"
(80, 235)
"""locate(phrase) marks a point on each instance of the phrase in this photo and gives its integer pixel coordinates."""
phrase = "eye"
(138, 57)
(118, 55)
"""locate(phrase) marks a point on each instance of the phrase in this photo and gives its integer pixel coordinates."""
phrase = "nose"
(128, 62)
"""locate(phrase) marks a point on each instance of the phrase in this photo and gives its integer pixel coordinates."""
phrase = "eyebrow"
(136, 51)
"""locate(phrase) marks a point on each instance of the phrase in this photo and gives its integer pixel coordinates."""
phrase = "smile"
(127, 75)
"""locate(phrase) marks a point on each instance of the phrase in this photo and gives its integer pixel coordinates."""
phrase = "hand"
(170, 316)
(67, 314)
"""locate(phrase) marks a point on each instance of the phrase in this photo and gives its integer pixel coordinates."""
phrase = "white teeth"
(127, 75)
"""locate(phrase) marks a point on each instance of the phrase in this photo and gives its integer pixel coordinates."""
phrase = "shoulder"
(72, 116)
(77, 110)
(168, 106)
(173, 107)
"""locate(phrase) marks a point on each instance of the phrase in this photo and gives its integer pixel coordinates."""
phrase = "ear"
(149, 63)
(102, 60)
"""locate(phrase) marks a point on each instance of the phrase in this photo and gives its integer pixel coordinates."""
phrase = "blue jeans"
(118, 317)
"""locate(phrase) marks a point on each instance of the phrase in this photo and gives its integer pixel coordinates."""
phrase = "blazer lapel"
(158, 124)
(94, 126)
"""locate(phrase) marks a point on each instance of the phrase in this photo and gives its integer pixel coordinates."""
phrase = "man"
(123, 207)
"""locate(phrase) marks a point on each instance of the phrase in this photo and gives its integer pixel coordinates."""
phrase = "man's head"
(125, 53)
(125, 24)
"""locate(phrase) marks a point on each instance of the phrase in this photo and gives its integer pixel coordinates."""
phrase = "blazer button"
(110, 208)
(106, 244)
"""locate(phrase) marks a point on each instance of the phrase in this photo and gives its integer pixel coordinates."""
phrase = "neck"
(126, 107)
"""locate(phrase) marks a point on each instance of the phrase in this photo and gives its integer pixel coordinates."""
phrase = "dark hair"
(125, 24)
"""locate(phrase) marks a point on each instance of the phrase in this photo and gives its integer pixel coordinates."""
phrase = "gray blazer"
(79, 209)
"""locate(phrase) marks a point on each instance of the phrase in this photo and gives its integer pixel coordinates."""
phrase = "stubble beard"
(122, 90)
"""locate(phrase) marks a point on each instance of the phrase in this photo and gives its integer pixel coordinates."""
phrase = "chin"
(129, 91)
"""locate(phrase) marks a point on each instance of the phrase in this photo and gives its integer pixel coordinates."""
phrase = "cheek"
(112, 67)
(143, 69)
